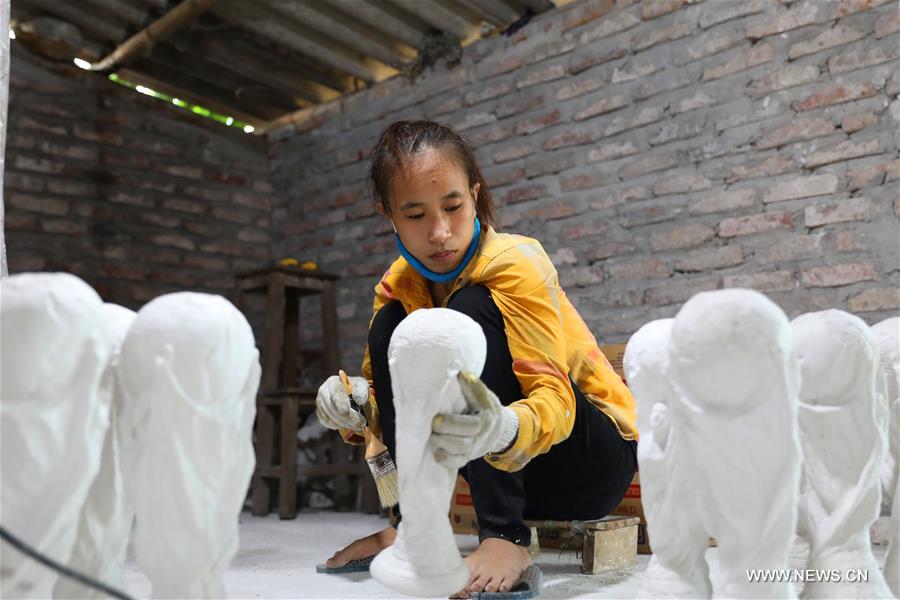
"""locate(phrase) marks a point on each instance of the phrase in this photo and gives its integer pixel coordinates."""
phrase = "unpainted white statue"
(189, 372)
(887, 336)
(54, 413)
(843, 449)
(106, 518)
(426, 353)
(677, 568)
(735, 383)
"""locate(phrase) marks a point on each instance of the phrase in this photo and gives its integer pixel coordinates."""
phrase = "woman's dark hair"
(398, 145)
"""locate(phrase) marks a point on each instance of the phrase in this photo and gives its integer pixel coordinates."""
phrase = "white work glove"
(488, 427)
(333, 403)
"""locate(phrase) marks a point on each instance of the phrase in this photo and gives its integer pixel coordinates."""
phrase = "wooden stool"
(280, 400)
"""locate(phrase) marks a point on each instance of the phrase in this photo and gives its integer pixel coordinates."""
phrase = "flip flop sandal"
(528, 586)
(354, 566)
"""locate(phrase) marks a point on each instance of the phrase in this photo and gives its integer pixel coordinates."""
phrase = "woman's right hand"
(333, 406)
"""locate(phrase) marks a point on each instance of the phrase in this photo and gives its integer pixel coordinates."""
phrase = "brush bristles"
(388, 491)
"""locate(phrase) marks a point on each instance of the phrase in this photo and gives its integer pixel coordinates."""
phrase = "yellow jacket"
(548, 341)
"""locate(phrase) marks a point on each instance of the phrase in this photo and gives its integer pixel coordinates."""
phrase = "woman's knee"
(473, 301)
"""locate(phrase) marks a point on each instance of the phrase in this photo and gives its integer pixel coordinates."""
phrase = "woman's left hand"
(457, 439)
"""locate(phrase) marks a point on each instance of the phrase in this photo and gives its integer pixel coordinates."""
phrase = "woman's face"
(433, 209)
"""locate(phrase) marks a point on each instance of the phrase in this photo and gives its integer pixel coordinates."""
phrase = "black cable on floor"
(61, 569)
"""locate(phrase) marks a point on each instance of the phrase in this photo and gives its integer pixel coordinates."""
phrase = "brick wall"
(125, 192)
(655, 148)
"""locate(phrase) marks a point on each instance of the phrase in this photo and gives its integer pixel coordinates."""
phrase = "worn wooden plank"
(374, 15)
(287, 482)
(121, 11)
(274, 333)
(330, 328)
(291, 338)
(264, 446)
(323, 18)
(296, 36)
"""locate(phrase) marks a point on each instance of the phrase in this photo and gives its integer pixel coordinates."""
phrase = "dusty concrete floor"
(277, 559)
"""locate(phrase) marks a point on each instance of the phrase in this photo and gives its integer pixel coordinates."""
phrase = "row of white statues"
(110, 418)
(765, 434)
(771, 437)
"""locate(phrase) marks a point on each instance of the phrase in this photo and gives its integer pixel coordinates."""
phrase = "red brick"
(253, 201)
(775, 281)
(843, 151)
(755, 224)
(648, 268)
(586, 12)
(612, 151)
(838, 275)
(837, 36)
(863, 57)
(791, 248)
(572, 137)
(836, 94)
(647, 215)
(495, 178)
(103, 136)
(495, 66)
(174, 240)
(854, 122)
(47, 206)
(798, 16)
(773, 165)
(602, 106)
(684, 236)
(556, 210)
(584, 60)
(487, 92)
(254, 236)
(614, 23)
(680, 184)
(239, 216)
(802, 187)
(607, 250)
(70, 151)
(646, 116)
(747, 59)
(525, 193)
(876, 174)
(631, 72)
(131, 199)
(707, 259)
(584, 181)
(788, 77)
(19, 221)
(849, 7)
(574, 277)
(543, 75)
(529, 126)
(652, 9)
(849, 241)
(796, 130)
(472, 120)
(514, 104)
(161, 220)
(887, 24)
(658, 35)
(582, 230)
(185, 206)
(226, 178)
(851, 209)
(724, 202)
(181, 171)
(206, 263)
(875, 299)
(648, 164)
(673, 292)
(513, 153)
(578, 88)
(490, 135)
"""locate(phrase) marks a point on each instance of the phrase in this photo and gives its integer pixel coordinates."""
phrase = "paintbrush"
(383, 469)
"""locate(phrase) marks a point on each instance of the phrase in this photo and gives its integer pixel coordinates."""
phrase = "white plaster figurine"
(189, 372)
(106, 518)
(677, 568)
(734, 386)
(843, 449)
(887, 336)
(54, 413)
(427, 351)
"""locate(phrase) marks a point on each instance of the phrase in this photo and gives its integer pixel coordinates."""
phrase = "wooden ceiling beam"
(122, 11)
(159, 5)
(255, 18)
(91, 25)
(374, 15)
(241, 58)
(441, 18)
(503, 13)
(169, 88)
(323, 18)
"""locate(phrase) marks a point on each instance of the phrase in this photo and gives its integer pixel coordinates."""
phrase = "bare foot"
(494, 567)
(363, 547)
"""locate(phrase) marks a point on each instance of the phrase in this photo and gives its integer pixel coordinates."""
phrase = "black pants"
(583, 477)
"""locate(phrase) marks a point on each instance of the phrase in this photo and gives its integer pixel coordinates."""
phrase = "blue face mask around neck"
(441, 277)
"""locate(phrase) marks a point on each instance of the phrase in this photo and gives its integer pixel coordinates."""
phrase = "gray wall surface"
(655, 148)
